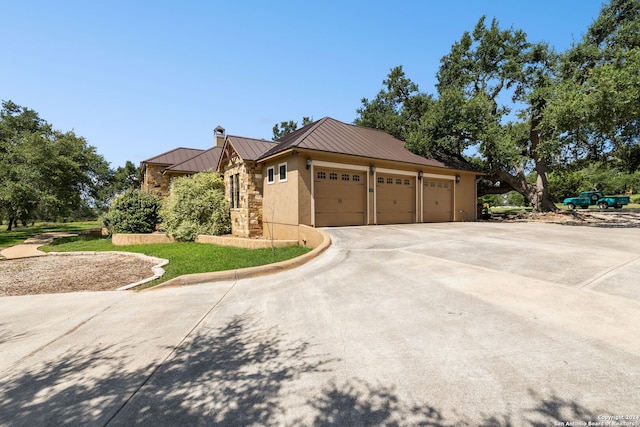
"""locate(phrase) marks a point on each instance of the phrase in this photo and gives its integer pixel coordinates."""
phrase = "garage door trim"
(333, 165)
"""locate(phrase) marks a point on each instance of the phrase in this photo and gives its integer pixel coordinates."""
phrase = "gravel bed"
(71, 273)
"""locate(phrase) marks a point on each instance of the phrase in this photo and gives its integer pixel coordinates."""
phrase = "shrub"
(133, 212)
(196, 205)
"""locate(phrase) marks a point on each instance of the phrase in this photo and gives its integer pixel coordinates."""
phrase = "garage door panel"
(438, 200)
(395, 199)
(340, 197)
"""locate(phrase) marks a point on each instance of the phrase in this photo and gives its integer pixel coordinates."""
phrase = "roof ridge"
(175, 165)
(255, 139)
(171, 151)
(308, 130)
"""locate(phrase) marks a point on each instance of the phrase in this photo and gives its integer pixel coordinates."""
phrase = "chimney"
(219, 136)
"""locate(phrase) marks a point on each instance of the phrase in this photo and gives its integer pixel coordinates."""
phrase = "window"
(446, 185)
(439, 185)
(333, 176)
(380, 180)
(355, 178)
(282, 172)
(271, 175)
(407, 182)
(236, 194)
(389, 180)
(232, 189)
(398, 181)
(432, 183)
(345, 177)
(322, 175)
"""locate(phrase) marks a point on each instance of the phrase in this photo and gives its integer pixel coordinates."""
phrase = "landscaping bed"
(71, 273)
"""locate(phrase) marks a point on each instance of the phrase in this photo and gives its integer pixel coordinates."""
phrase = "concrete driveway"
(425, 324)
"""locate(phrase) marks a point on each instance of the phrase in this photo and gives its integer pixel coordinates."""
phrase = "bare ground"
(592, 218)
(71, 273)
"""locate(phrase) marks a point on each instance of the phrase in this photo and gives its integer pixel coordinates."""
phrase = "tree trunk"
(10, 224)
(542, 198)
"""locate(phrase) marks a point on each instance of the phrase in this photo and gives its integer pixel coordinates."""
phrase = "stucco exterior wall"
(280, 202)
(465, 198)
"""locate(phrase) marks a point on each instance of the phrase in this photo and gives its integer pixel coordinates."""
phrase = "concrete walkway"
(29, 248)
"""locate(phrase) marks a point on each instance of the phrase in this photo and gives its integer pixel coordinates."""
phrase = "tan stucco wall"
(465, 198)
(280, 201)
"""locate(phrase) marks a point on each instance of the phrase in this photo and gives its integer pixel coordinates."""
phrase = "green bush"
(196, 205)
(133, 212)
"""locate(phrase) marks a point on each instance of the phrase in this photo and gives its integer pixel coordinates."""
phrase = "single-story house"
(326, 174)
(157, 172)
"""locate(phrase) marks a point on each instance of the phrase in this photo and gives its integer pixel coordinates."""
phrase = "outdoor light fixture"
(457, 179)
(420, 175)
(308, 163)
(372, 169)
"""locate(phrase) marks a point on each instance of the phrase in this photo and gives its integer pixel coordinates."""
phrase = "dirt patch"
(592, 218)
(71, 273)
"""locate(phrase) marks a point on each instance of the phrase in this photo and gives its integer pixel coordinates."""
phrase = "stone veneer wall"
(155, 182)
(246, 220)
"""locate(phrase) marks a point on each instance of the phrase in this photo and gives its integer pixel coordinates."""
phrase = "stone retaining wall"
(307, 236)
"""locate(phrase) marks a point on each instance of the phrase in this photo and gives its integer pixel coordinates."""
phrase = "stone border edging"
(157, 269)
(243, 273)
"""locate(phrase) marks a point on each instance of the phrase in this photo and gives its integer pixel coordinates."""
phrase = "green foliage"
(524, 110)
(592, 176)
(196, 205)
(187, 257)
(116, 182)
(596, 102)
(564, 183)
(44, 173)
(397, 108)
(133, 212)
(285, 128)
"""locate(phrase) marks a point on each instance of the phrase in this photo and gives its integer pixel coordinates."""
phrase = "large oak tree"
(44, 173)
(515, 109)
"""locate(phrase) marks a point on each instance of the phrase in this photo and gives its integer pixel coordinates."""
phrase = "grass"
(184, 257)
(20, 234)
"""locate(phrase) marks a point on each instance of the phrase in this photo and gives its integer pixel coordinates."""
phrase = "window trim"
(286, 172)
(271, 178)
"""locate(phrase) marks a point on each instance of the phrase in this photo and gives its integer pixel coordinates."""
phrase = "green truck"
(588, 198)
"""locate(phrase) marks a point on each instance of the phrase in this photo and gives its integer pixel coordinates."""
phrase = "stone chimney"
(219, 136)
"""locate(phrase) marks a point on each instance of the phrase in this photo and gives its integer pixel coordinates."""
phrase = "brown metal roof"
(250, 148)
(177, 155)
(207, 160)
(330, 135)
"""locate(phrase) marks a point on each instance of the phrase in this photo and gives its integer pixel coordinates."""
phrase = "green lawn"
(184, 257)
(20, 234)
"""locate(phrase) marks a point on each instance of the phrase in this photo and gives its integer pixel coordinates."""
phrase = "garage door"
(395, 199)
(340, 197)
(438, 200)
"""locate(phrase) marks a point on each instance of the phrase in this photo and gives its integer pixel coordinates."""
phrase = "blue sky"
(138, 78)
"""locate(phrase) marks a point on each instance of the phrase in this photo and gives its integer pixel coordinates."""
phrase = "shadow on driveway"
(236, 375)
